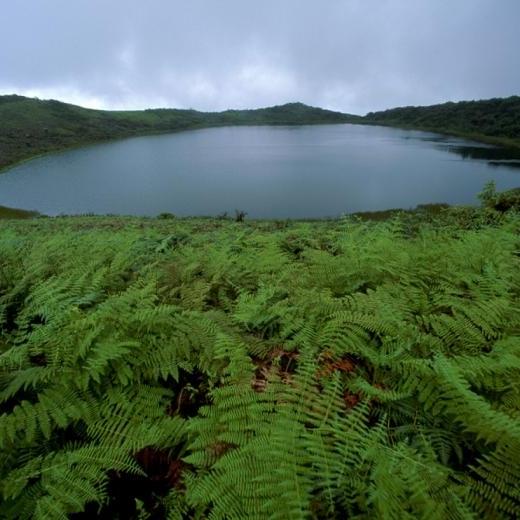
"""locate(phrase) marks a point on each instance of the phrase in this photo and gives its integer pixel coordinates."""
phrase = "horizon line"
(255, 108)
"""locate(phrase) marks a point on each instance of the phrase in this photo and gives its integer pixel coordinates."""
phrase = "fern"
(213, 369)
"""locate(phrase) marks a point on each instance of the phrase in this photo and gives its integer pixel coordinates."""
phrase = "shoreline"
(498, 142)
(430, 209)
(86, 144)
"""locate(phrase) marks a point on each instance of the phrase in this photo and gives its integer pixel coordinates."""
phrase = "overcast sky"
(348, 55)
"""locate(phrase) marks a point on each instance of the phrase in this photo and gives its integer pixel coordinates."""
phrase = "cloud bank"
(350, 55)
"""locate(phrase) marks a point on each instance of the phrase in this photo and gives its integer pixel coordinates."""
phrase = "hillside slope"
(30, 127)
(494, 120)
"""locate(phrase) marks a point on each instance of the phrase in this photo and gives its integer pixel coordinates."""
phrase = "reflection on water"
(269, 172)
(493, 155)
(506, 163)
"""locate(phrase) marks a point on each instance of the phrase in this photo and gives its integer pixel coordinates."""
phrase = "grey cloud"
(349, 55)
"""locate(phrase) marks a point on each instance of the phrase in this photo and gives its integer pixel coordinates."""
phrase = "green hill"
(494, 120)
(30, 127)
(14, 213)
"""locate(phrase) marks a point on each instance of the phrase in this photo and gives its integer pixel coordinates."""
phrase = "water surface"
(270, 172)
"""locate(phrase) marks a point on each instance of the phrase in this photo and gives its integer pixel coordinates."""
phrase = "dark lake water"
(278, 172)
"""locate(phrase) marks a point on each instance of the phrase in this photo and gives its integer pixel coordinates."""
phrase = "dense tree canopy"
(498, 118)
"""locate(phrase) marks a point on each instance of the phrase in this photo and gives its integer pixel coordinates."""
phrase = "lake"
(269, 172)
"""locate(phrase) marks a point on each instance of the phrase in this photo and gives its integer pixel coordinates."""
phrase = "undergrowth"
(215, 369)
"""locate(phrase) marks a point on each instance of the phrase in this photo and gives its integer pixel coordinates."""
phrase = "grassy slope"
(327, 370)
(29, 127)
(496, 121)
(14, 213)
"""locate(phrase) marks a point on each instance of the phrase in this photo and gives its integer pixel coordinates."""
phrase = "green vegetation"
(496, 121)
(29, 127)
(208, 368)
(6, 212)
